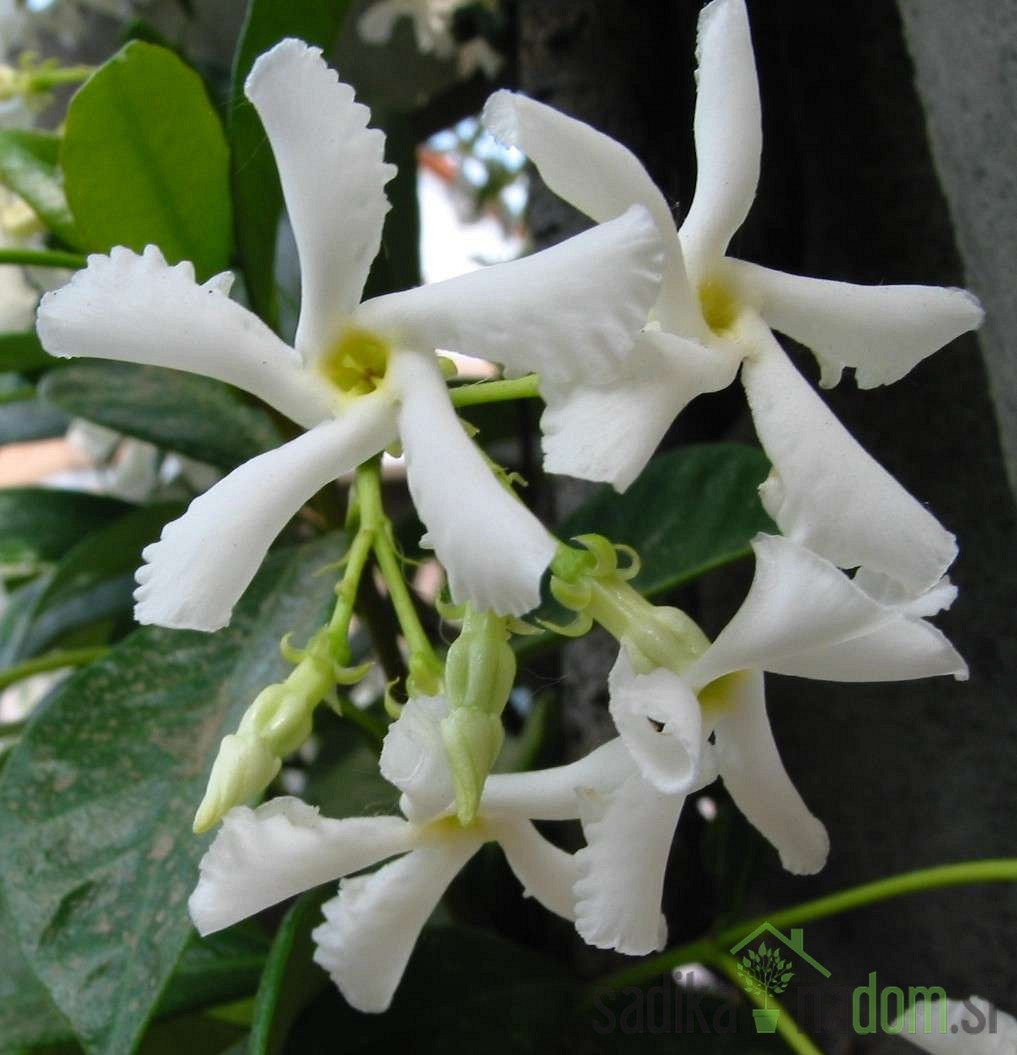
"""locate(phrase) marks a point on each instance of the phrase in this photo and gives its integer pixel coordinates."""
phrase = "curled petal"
(547, 873)
(658, 718)
(826, 492)
(413, 758)
(194, 575)
(573, 310)
(263, 856)
(333, 176)
(804, 617)
(138, 309)
(753, 773)
(728, 132)
(621, 869)
(493, 548)
(881, 331)
(608, 433)
(371, 927)
(600, 177)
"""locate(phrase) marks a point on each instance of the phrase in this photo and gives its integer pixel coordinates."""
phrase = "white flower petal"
(493, 548)
(194, 575)
(805, 617)
(601, 178)
(547, 873)
(882, 331)
(375, 25)
(958, 1027)
(826, 492)
(659, 719)
(413, 758)
(573, 310)
(263, 856)
(608, 433)
(371, 927)
(551, 794)
(333, 176)
(622, 867)
(138, 309)
(885, 590)
(728, 132)
(753, 773)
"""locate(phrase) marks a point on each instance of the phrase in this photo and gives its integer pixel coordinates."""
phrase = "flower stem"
(42, 80)
(526, 387)
(76, 657)
(42, 258)
(423, 659)
(999, 870)
(786, 1025)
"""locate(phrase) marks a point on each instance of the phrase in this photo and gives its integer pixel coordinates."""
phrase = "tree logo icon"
(764, 972)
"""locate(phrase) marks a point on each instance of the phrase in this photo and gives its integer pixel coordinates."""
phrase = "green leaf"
(145, 160)
(23, 352)
(30, 419)
(194, 415)
(30, 166)
(257, 194)
(93, 580)
(291, 979)
(43, 523)
(691, 510)
(97, 799)
(464, 990)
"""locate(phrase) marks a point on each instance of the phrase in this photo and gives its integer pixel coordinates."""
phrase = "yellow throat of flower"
(357, 362)
(720, 308)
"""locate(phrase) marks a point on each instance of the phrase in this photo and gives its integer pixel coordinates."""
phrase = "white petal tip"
(501, 118)
(810, 854)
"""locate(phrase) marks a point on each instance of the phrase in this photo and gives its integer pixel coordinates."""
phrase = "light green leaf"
(196, 416)
(256, 191)
(97, 799)
(691, 510)
(30, 167)
(145, 160)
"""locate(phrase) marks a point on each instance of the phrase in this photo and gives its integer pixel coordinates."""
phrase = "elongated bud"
(479, 672)
(244, 766)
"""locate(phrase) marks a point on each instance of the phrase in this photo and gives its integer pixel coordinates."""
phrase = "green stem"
(998, 870)
(786, 1025)
(373, 519)
(76, 657)
(42, 258)
(360, 553)
(44, 79)
(527, 387)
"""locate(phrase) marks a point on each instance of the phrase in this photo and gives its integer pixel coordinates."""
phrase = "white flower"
(361, 375)
(715, 313)
(432, 23)
(262, 856)
(958, 1027)
(802, 617)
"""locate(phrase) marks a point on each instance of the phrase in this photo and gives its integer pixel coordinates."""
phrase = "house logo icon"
(764, 972)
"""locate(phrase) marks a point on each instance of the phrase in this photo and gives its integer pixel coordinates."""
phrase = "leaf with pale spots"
(96, 800)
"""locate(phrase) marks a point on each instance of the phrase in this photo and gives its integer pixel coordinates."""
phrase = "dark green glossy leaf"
(194, 415)
(92, 581)
(44, 522)
(463, 991)
(30, 166)
(23, 352)
(257, 194)
(291, 979)
(691, 510)
(145, 160)
(31, 419)
(96, 800)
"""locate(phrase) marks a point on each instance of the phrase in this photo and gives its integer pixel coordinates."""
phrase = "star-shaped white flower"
(802, 617)
(262, 856)
(360, 375)
(715, 313)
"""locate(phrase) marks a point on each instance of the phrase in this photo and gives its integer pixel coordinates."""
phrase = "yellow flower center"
(357, 362)
(720, 308)
(715, 698)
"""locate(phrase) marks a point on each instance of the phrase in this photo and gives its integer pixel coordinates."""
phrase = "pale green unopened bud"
(244, 766)
(663, 637)
(473, 740)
